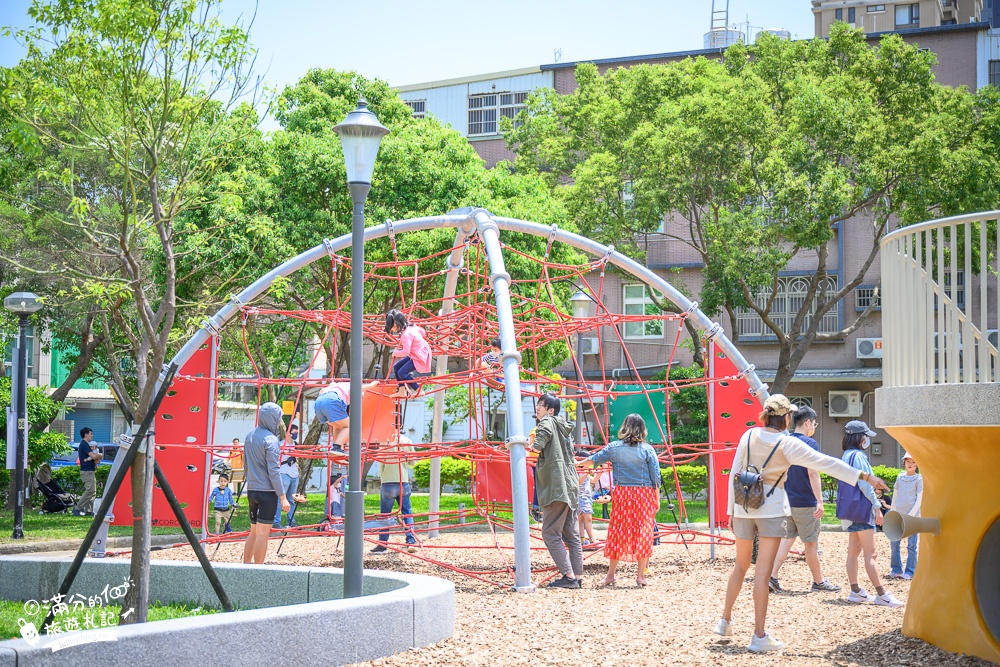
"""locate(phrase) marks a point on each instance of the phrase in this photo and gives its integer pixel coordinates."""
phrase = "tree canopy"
(762, 158)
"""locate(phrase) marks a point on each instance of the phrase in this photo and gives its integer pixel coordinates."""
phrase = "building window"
(789, 298)
(511, 104)
(864, 295)
(907, 15)
(995, 73)
(801, 401)
(486, 110)
(850, 15)
(959, 298)
(418, 108)
(482, 114)
(638, 302)
(838, 14)
(876, 8)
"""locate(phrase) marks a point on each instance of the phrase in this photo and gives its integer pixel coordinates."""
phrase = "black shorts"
(263, 506)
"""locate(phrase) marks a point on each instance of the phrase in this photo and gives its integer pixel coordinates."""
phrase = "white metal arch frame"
(469, 222)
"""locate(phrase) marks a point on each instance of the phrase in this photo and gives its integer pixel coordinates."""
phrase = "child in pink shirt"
(414, 353)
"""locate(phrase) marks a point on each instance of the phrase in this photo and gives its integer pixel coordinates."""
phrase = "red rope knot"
(691, 309)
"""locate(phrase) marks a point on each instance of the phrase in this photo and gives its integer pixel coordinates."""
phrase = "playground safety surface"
(668, 622)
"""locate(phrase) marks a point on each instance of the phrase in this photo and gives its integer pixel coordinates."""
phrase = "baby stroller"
(56, 499)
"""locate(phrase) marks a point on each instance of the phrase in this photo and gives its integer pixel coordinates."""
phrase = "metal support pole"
(516, 440)
(454, 264)
(22, 419)
(354, 503)
(580, 392)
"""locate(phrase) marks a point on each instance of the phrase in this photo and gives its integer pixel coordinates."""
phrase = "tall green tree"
(763, 158)
(130, 102)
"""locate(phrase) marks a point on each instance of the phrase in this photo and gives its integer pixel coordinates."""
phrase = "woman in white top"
(769, 521)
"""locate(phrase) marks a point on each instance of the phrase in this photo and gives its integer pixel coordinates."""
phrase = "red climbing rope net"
(460, 327)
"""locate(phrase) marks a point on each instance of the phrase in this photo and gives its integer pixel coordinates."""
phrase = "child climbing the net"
(331, 408)
(414, 353)
(491, 362)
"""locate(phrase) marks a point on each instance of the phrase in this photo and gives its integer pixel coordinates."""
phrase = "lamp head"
(360, 135)
(581, 304)
(23, 303)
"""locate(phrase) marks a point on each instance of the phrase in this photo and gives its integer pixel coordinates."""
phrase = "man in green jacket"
(558, 491)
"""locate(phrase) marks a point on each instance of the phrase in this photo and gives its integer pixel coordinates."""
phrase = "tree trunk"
(135, 605)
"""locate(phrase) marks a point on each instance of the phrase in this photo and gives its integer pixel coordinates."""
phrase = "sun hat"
(858, 426)
(778, 404)
(906, 455)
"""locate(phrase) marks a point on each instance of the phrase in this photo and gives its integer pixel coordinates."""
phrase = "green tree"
(41, 446)
(129, 103)
(764, 157)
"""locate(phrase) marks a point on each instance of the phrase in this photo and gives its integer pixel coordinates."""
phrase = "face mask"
(864, 445)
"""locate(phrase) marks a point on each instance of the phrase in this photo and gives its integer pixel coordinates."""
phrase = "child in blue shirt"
(222, 502)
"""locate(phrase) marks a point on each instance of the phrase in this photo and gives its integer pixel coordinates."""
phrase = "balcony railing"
(939, 330)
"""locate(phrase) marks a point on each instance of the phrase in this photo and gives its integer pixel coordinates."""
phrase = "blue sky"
(406, 42)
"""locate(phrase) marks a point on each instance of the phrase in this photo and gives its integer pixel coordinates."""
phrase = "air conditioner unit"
(69, 402)
(589, 346)
(869, 348)
(845, 403)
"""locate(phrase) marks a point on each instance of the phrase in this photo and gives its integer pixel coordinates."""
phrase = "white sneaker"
(861, 597)
(888, 600)
(765, 643)
(722, 628)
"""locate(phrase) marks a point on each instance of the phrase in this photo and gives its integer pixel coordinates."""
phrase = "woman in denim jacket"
(635, 497)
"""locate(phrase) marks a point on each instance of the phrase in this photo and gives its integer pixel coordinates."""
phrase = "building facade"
(837, 378)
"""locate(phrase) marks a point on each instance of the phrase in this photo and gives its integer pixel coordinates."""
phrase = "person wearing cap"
(770, 521)
(907, 493)
(861, 536)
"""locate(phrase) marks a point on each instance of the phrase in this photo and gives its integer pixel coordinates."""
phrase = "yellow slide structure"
(954, 600)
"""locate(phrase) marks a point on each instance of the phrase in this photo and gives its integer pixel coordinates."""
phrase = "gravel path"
(667, 623)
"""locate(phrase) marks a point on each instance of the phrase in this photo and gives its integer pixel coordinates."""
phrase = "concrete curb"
(120, 542)
(313, 626)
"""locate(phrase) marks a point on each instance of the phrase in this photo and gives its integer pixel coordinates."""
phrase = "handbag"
(852, 504)
(748, 485)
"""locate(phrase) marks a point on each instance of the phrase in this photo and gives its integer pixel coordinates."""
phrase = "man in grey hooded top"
(262, 449)
(558, 489)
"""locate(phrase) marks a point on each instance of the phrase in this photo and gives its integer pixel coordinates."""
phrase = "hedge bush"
(69, 479)
(829, 484)
(693, 479)
(454, 472)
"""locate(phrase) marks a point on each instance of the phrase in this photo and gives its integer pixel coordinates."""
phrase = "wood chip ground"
(667, 623)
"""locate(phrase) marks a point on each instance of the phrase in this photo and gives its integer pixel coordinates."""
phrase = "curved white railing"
(940, 302)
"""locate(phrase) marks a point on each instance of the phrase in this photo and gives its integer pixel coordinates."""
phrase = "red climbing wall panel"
(732, 409)
(492, 480)
(183, 419)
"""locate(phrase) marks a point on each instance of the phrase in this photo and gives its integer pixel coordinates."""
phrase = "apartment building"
(895, 16)
(836, 378)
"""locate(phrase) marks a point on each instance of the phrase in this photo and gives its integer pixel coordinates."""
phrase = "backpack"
(748, 485)
(852, 504)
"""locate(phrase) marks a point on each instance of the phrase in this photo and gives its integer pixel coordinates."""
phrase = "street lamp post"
(23, 304)
(581, 310)
(360, 136)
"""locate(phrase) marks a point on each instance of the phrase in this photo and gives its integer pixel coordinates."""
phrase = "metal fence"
(940, 302)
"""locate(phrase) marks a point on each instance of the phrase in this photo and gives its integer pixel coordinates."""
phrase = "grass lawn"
(698, 512)
(83, 618)
(42, 527)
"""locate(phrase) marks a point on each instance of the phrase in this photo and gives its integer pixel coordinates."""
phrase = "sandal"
(642, 584)
(608, 584)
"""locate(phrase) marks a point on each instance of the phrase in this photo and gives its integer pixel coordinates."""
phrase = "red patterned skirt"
(630, 533)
